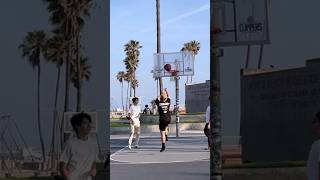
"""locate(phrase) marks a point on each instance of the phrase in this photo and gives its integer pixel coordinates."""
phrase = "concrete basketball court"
(186, 148)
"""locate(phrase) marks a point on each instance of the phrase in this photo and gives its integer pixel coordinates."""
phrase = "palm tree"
(32, 47)
(55, 52)
(62, 25)
(79, 10)
(132, 59)
(127, 77)
(68, 17)
(134, 85)
(120, 78)
(85, 71)
(193, 47)
(75, 11)
(61, 21)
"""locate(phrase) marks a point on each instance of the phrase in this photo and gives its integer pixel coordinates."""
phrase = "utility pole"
(177, 105)
(159, 39)
(215, 119)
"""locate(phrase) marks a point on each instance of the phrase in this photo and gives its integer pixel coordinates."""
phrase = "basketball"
(167, 67)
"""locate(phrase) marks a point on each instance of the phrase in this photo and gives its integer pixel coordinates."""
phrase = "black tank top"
(164, 109)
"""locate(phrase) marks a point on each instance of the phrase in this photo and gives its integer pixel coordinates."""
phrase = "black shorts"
(163, 125)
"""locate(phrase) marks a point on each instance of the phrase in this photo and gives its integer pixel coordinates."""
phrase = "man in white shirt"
(313, 163)
(80, 153)
(133, 116)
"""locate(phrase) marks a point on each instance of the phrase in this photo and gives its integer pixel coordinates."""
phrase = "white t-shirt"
(135, 111)
(208, 114)
(313, 161)
(79, 155)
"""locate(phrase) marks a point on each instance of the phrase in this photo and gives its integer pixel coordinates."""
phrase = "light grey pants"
(135, 129)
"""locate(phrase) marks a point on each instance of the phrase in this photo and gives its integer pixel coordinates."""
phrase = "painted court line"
(203, 156)
(169, 162)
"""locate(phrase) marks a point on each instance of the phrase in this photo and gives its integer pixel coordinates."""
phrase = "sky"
(181, 22)
(294, 37)
(18, 79)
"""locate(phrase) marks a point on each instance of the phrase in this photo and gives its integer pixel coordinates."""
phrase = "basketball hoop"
(173, 64)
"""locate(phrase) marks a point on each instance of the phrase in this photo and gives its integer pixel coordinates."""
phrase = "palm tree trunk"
(158, 38)
(67, 87)
(127, 100)
(122, 96)
(134, 92)
(130, 91)
(39, 121)
(79, 83)
(55, 115)
(135, 85)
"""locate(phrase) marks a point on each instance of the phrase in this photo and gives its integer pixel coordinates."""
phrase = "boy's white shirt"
(313, 161)
(79, 156)
(135, 111)
(208, 114)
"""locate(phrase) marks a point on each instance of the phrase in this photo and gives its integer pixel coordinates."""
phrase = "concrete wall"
(294, 173)
(197, 97)
(276, 113)
(155, 128)
(154, 119)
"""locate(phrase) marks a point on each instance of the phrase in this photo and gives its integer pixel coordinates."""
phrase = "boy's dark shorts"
(163, 125)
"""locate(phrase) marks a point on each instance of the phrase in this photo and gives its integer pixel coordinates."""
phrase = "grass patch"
(117, 119)
(267, 165)
(119, 125)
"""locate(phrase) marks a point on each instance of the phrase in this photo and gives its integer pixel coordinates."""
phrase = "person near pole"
(163, 103)
(133, 117)
(146, 110)
(313, 163)
(208, 125)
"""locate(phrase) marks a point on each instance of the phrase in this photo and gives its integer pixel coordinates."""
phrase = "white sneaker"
(129, 146)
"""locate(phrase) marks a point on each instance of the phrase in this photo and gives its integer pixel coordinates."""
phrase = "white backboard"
(67, 123)
(182, 61)
(242, 22)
